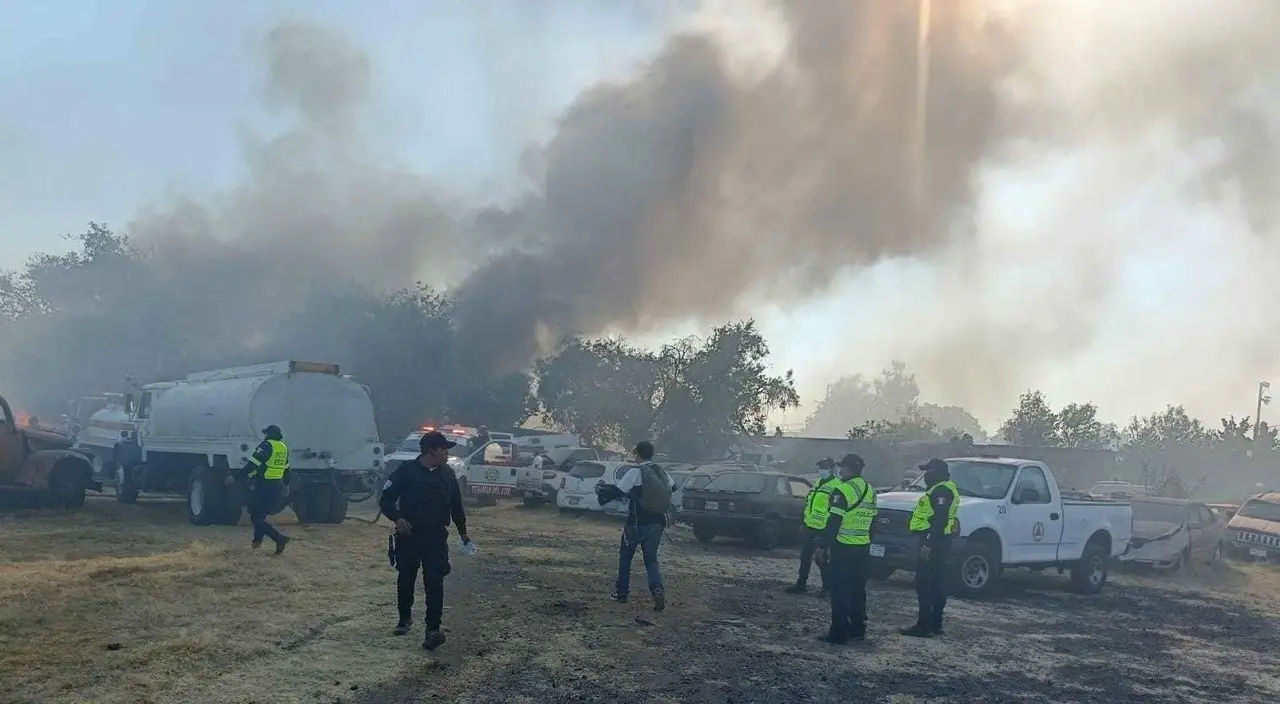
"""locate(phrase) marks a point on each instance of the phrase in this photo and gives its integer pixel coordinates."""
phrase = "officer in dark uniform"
(845, 546)
(934, 519)
(267, 470)
(422, 497)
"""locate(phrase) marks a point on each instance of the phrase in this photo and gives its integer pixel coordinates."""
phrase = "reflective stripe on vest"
(278, 462)
(855, 522)
(923, 513)
(817, 507)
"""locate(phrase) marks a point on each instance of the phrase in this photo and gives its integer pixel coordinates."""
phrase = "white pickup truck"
(1012, 514)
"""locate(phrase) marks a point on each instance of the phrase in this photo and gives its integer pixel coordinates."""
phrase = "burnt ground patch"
(731, 635)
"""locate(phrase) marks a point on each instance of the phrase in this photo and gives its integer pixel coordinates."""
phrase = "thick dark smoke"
(690, 190)
(681, 192)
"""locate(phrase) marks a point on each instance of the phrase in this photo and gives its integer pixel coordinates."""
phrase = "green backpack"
(655, 489)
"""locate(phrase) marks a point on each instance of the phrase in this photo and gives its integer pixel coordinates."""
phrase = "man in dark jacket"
(643, 528)
(422, 497)
(267, 473)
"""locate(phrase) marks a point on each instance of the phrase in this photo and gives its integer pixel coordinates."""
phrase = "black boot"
(916, 631)
(281, 542)
(402, 626)
(834, 638)
(797, 589)
(434, 639)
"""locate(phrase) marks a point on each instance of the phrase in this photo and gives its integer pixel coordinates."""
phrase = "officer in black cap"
(267, 470)
(844, 547)
(422, 497)
(936, 523)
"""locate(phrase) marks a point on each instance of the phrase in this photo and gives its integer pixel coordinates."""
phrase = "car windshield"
(678, 477)
(587, 470)
(697, 481)
(987, 480)
(1156, 512)
(1260, 510)
(737, 481)
(1116, 488)
(410, 444)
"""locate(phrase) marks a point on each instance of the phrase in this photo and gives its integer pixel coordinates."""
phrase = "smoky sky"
(684, 190)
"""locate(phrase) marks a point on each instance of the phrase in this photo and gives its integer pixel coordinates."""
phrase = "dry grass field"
(131, 604)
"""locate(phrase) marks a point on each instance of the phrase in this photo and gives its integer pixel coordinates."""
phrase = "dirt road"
(131, 604)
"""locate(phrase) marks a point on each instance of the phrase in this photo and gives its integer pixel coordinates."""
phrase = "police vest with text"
(855, 521)
(817, 507)
(277, 464)
(922, 516)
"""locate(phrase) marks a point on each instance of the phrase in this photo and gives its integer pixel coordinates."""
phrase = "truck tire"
(1089, 573)
(703, 533)
(126, 490)
(205, 492)
(531, 501)
(337, 507)
(766, 535)
(67, 486)
(974, 570)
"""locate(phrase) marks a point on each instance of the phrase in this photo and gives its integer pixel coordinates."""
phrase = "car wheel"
(766, 534)
(975, 571)
(1089, 573)
(530, 501)
(703, 533)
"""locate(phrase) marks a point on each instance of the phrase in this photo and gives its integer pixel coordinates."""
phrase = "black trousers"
(846, 582)
(807, 550)
(263, 497)
(931, 586)
(430, 554)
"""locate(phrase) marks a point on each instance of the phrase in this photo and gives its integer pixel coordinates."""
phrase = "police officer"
(267, 470)
(816, 511)
(934, 519)
(845, 547)
(422, 497)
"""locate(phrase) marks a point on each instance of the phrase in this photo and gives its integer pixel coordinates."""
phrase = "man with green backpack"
(648, 488)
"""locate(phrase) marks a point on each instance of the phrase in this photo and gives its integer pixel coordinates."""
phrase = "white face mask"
(824, 473)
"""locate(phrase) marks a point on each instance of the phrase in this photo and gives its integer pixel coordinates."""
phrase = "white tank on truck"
(187, 434)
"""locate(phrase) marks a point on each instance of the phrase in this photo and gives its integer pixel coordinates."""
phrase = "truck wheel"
(703, 533)
(1089, 573)
(204, 497)
(766, 534)
(126, 491)
(975, 571)
(66, 487)
(312, 504)
(531, 501)
(337, 507)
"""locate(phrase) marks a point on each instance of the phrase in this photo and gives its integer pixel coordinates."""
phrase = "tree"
(1165, 430)
(854, 401)
(1077, 425)
(911, 427)
(692, 396)
(1033, 423)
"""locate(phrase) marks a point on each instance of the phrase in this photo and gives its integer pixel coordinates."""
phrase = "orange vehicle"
(40, 464)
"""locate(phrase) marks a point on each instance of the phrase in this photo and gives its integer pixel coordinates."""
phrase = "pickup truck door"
(1034, 523)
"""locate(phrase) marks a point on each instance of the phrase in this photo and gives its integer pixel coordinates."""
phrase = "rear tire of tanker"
(313, 504)
(126, 491)
(337, 507)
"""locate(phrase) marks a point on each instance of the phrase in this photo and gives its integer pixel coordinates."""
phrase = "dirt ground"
(132, 604)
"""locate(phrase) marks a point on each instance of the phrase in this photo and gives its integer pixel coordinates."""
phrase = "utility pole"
(1263, 399)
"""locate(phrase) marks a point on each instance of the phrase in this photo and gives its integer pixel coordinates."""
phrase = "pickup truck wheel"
(1089, 573)
(126, 491)
(975, 571)
(531, 501)
(766, 534)
(1181, 560)
(703, 533)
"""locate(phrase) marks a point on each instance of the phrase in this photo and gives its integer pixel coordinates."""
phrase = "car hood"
(1256, 525)
(906, 500)
(1154, 530)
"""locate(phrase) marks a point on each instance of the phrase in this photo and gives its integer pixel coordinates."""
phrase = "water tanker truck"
(183, 437)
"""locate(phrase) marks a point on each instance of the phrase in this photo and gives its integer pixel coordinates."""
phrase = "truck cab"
(40, 465)
(1012, 514)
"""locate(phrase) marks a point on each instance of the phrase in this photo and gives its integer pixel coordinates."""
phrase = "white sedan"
(578, 488)
(678, 473)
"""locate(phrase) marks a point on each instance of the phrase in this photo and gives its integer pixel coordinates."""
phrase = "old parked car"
(1170, 533)
(1254, 532)
(766, 508)
(39, 465)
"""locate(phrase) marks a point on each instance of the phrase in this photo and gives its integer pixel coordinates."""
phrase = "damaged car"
(1171, 533)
